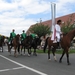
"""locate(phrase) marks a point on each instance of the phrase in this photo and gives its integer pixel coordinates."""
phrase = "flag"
(53, 34)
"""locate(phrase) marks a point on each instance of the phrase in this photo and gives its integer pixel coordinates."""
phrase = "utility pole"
(53, 13)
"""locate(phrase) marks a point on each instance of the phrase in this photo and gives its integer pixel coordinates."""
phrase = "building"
(63, 18)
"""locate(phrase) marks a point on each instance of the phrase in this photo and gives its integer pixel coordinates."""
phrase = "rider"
(58, 31)
(0, 37)
(23, 35)
(12, 35)
(33, 35)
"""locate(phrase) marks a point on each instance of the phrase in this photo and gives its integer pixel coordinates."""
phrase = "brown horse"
(25, 44)
(65, 44)
(2, 42)
(15, 44)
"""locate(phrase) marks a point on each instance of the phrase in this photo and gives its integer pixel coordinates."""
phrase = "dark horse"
(15, 44)
(65, 44)
(25, 44)
(35, 42)
(2, 42)
(29, 43)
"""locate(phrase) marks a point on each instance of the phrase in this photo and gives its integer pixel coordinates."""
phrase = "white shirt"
(58, 30)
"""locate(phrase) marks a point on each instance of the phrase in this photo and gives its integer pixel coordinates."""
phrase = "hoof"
(49, 59)
(69, 63)
(15, 55)
(9, 54)
(55, 60)
(23, 54)
(35, 54)
(60, 61)
(28, 55)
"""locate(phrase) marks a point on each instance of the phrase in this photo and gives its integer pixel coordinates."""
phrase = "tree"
(40, 29)
(68, 26)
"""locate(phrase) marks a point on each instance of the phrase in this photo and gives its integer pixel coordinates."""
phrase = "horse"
(2, 42)
(15, 44)
(65, 44)
(25, 44)
(6, 41)
(35, 42)
(29, 43)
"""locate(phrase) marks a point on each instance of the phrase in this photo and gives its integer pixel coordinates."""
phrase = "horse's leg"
(35, 52)
(49, 53)
(60, 60)
(67, 54)
(19, 48)
(53, 51)
(24, 50)
(28, 52)
(15, 52)
(44, 49)
(2, 48)
(9, 49)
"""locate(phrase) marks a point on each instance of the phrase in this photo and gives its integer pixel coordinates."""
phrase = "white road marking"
(11, 69)
(23, 66)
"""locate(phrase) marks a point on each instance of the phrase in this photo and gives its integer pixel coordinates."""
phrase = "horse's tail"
(46, 43)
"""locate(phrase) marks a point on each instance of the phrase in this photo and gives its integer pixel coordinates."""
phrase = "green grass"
(57, 51)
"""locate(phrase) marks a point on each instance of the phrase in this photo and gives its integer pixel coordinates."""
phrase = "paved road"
(34, 65)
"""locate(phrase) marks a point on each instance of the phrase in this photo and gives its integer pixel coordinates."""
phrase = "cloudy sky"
(21, 14)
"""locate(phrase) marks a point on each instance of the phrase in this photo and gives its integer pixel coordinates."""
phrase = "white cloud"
(64, 6)
(14, 14)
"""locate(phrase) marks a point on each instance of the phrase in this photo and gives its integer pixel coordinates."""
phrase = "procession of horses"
(29, 43)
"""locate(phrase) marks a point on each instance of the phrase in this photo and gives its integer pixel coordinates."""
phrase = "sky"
(21, 14)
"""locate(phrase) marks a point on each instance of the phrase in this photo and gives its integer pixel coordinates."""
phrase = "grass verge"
(58, 51)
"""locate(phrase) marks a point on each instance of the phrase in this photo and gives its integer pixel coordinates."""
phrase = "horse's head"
(17, 37)
(2, 40)
(28, 40)
(38, 40)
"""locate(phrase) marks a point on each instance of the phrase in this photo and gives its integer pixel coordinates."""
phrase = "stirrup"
(54, 41)
(9, 42)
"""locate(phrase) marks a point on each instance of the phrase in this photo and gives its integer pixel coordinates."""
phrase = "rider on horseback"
(57, 32)
(0, 37)
(12, 36)
(33, 35)
(23, 36)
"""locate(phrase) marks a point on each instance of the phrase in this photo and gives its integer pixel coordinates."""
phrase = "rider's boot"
(58, 43)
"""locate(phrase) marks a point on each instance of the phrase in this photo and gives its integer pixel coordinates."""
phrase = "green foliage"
(40, 29)
(60, 51)
(68, 26)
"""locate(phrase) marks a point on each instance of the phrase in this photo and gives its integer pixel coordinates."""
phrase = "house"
(64, 19)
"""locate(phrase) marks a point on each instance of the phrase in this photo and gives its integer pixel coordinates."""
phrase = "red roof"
(63, 18)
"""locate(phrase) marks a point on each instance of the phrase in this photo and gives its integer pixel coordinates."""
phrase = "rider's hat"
(23, 30)
(59, 21)
(13, 30)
